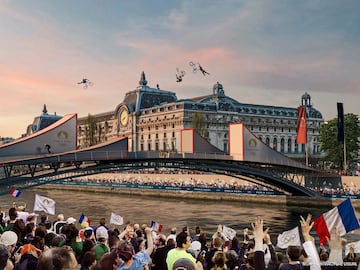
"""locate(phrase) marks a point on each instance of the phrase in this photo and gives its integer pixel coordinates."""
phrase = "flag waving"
(84, 218)
(230, 233)
(341, 217)
(289, 238)
(44, 204)
(156, 226)
(15, 192)
(301, 137)
(116, 219)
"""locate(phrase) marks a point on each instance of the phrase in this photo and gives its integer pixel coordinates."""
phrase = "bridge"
(260, 165)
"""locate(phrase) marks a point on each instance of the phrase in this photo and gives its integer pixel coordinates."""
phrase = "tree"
(91, 130)
(199, 124)
(333, 148)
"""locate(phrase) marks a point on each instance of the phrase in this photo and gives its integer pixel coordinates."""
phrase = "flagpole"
(345, 162)
(306, 154)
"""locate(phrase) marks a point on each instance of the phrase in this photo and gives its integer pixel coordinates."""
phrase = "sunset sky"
(263, 52)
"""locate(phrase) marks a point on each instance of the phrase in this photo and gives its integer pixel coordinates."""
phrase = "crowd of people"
(32, 241)
(185, 181)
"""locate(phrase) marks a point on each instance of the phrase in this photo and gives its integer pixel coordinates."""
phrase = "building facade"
(152, 119)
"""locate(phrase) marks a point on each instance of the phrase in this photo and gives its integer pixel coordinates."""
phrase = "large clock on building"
(124, 117)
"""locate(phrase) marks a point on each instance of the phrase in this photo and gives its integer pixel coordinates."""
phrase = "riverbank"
(246, 198)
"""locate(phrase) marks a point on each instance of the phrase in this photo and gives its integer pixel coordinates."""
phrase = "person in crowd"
(11, 219)
(58, 223)
(217, 246)
(129, 235)
(19, 228)
(113, 240)
(21, 211)
(131, 261)
(32, 218)
(88, 261)
(219, 261)
(335, 244)
(272, 263)
(57, 258)
(161, 251)
(89, 232)
(5, 262)
(183, 264)
(9, 239)
(29, 232)
(102, 223)
(101, 247)
(29, 257)
(72, 238)
(182, 244)
(172, 234)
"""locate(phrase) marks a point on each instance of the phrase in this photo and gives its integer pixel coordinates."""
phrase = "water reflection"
(169, 212)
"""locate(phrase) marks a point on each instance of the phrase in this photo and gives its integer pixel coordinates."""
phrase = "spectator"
(57, 259)
(182, 243)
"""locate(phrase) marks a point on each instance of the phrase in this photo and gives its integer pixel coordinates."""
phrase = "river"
(170, 212)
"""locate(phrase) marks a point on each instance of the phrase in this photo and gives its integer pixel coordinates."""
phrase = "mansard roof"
(144, 97)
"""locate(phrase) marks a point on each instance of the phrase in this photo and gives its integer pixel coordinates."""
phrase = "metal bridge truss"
(38, 171)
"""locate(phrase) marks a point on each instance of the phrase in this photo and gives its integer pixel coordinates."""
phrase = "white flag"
(229, 232)
(44, 204)
(116, 219)
(289, 238)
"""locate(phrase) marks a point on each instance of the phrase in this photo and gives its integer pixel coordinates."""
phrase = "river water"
(170, 212)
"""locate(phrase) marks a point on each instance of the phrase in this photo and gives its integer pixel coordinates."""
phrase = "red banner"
(301, 126)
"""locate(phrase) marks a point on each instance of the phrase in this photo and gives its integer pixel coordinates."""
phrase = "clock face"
(124, 117)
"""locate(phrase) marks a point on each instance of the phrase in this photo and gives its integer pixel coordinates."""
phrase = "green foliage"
(199, 124)
(333, 148)
(91, 130)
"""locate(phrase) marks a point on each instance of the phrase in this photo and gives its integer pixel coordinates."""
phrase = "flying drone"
(86, 83)
(179, 75)
(196, 67)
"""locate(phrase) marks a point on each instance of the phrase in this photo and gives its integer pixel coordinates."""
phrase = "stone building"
(152, 119)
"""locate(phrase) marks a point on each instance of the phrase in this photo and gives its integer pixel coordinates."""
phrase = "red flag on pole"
(301, 126)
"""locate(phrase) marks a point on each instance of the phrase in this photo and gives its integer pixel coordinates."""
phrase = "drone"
(179, 75)
(196, 67)
(86, 83)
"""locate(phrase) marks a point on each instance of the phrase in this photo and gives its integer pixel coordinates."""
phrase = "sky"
(263, 52)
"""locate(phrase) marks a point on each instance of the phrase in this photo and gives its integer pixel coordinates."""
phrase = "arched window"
(267, 141)
(282, 145)
(275, 143)
(289, 145)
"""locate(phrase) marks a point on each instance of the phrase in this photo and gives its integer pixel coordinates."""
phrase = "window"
(289, 145)
(225, 147)
(275, 144)
(165, 135)
(141, 147)
(164, 146)
(149, 147)
(156, 146)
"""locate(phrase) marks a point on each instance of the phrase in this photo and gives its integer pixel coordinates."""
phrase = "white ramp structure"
(59, 137)
(192, 142)
(245, 146)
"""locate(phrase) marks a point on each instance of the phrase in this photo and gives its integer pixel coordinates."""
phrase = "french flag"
(15, 192)
(84, 218)
(342, 217)
(156, 226)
